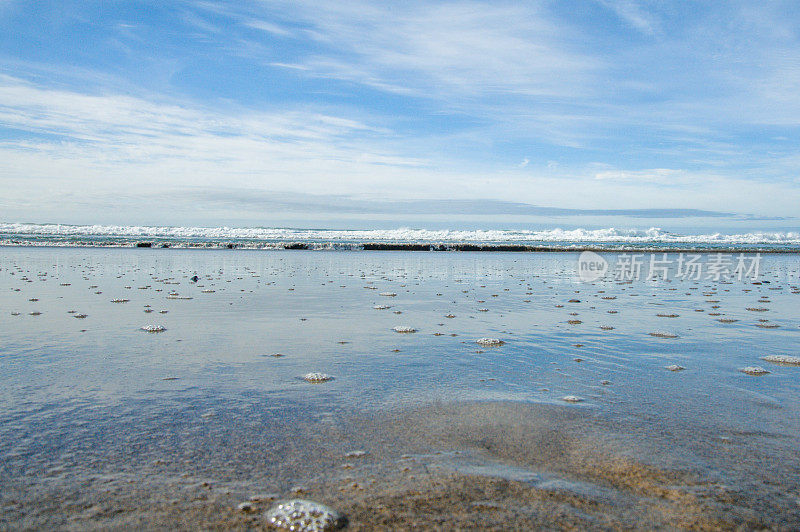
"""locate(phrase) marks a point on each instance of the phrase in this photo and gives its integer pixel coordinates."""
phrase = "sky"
(311, 114)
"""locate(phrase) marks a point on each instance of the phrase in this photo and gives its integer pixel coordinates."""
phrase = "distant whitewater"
(27, 234)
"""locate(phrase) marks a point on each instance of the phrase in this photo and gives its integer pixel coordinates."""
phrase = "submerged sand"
(495, 465)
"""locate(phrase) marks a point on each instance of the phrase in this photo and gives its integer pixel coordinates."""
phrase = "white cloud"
(110, 138)
(83, 149)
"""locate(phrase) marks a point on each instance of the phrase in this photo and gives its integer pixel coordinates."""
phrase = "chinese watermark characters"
(667, 266)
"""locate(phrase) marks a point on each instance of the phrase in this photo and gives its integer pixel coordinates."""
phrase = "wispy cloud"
(632, 13)
(436, 49)
(468, 54)
(268, 27)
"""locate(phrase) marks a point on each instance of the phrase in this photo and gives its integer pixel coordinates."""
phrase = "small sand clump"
(661, 334)
(786, 360)
(300, 515)
(316, 377)
(754, 370)
(489, 342)
(572, 399)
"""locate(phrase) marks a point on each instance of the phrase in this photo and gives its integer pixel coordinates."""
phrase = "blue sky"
(268, 112)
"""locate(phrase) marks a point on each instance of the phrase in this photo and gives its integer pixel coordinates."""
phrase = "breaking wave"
(264, 237)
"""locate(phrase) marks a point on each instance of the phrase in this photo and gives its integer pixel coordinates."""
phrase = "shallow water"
(89, 406)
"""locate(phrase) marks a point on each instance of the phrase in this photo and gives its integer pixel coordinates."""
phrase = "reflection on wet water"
(115, 358)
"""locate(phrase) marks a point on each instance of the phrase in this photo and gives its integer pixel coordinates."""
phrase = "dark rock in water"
(490, 247)
(164, 245)
(230, 246)
(296, 245)
(194, 278)
(144, 244)
(467, 247)
(380, 246)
